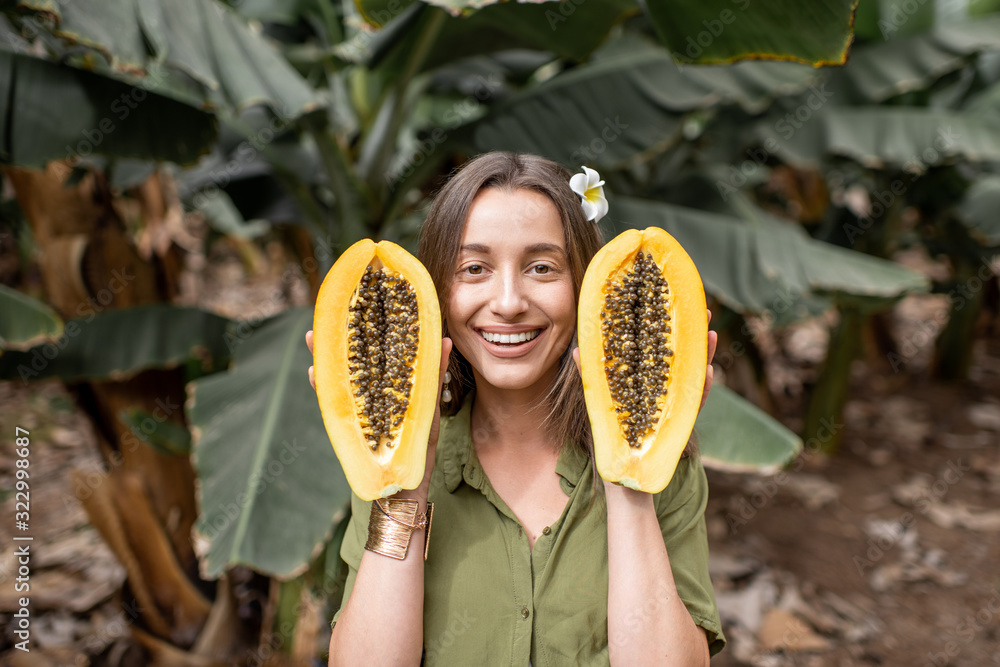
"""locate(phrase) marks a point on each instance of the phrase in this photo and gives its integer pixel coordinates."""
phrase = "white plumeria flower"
(590, 187)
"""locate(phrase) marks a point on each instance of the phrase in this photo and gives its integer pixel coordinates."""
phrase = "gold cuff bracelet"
(391, 526)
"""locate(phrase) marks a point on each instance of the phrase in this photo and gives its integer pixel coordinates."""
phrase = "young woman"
(532, 558)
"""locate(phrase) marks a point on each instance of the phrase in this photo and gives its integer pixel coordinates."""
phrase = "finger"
(309, 340)
(312, 377)
(709, 311)
(446, 346)
(709, 376)
(713, 343)
(576, 358)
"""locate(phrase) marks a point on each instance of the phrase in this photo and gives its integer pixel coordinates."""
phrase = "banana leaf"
(978, 211)
(59, 112)
(765, 266)
(134, 79)
(888, 68)
(117, 344)
(883, 137)
(25, 322)
(271, 485)
(628, 101)
(163, 435)
(735, 435)
(548, 27)
(166, 43)
(716, 31)
(724, 31)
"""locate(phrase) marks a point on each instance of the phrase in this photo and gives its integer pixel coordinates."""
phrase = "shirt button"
(525, 613)
(546, 530)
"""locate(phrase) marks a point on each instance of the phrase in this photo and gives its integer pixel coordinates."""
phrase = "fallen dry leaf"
(784, 631)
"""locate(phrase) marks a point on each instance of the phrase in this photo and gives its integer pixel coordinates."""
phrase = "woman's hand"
(713, 342)
(309, 344)
(388, 593)
(436, 425)
(446, 346)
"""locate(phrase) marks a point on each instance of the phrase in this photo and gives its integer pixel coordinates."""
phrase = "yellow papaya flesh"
(376, 355)
(643, 337)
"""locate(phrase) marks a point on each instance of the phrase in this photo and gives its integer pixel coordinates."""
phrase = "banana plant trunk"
(144, 506)
(953, 347)
(823, 428)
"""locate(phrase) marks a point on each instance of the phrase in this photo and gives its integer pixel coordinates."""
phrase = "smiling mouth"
(510, 339)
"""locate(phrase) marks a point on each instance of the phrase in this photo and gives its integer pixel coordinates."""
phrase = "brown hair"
(442, 235)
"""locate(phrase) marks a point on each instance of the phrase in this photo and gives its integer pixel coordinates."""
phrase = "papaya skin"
(650, 467)
(381, 473)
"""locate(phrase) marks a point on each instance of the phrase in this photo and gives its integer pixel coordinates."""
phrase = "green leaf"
(59, 112)
(788, 253)
(287, 12)
(25, 321)
(570, 30)
(271, 485)
(734, 434)
(978, 211)
(895, 20)
(225, 218)
(117, 344)
(381, 12)
(723, 31)
(866, 18)
(628, 101)
(980, 33)
(981, 7)
(712, 31)
(196, 51)
(768, 266)
(165, 436)
(986, 103)
(884, 137)
(883, 70)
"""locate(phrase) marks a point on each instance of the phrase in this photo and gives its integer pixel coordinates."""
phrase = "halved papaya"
(376, 353)
(643, 336)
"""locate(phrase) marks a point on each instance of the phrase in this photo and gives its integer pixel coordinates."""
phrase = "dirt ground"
(887, 553)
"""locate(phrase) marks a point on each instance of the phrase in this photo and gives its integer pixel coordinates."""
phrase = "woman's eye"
(542, 269)
(475, 269)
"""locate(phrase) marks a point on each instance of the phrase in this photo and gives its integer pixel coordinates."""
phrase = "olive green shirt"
(490, 600)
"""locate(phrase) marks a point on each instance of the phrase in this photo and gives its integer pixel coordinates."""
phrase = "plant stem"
(315, 217)
(334, 35)
(378, 166)
(826, 405)
(347, 190)
(417, 176)
(287, 612)
(953, 347)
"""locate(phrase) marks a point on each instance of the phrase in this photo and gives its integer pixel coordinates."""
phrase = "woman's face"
(511, 310)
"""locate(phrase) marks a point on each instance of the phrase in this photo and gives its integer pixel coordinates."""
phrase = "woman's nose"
(509, 299)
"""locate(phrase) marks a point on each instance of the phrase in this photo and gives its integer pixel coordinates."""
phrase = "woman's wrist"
(419, 494)
(617, 494)
(397, 523)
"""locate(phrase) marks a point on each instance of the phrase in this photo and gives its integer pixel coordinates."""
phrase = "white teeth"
(510, 338)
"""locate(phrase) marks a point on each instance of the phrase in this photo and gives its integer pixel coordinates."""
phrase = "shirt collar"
(458, 461)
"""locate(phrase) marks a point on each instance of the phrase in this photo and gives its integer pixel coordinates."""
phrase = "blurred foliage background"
(794, 150)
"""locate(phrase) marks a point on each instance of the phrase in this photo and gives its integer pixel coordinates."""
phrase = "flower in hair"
(590, 187)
